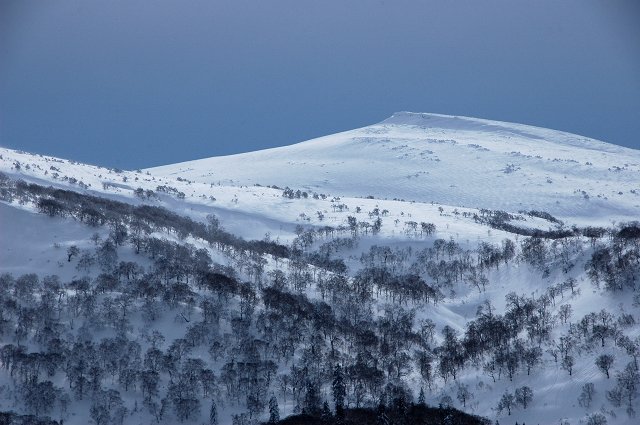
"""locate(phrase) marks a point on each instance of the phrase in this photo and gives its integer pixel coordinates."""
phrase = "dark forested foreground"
(151, 330)
(11, 418)
(415, 414)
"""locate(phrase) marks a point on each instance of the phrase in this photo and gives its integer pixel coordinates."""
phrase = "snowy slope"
(449, 160)
(447, 165)
(248, 211)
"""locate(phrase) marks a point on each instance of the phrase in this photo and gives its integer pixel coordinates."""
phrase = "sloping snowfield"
(418, 167)
(449, 160)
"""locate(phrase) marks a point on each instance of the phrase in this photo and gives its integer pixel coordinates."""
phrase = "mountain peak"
(450, 160)
(431, 119)
(415, 118)
(463, 123)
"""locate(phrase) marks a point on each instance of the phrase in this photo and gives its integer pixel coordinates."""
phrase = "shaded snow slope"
(449, 160)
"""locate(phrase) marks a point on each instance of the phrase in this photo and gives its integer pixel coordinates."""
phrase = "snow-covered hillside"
(374, 216)
(456, 161)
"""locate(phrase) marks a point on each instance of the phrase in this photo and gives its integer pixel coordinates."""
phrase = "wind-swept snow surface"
(449, 160)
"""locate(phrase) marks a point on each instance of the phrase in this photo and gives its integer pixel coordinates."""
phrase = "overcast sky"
(132, 84)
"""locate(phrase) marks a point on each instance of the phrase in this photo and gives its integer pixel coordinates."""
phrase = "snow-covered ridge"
(462, 123)
(450, 160)
(430, 120)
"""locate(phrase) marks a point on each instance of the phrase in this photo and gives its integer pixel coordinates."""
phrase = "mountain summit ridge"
(460, 122)
(446, 159)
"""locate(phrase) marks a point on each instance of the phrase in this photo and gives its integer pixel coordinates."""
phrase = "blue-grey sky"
(132, 84)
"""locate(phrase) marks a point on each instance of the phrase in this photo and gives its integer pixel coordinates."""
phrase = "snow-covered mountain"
(412, 200)
(449, 160)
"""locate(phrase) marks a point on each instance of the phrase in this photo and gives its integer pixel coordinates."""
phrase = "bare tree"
(586, 396)
(604, 363)
(507, 402)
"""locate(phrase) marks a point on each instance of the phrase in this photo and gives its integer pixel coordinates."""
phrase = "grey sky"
(131, 83)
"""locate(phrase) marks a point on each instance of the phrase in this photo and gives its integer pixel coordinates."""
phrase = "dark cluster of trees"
(542, 214)
(12, 418)
(53, 329)
(616, 263)
(170, 190)
(248, 335)
(412, 414)
(521, 398)
(96, 211)
(504, 221)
